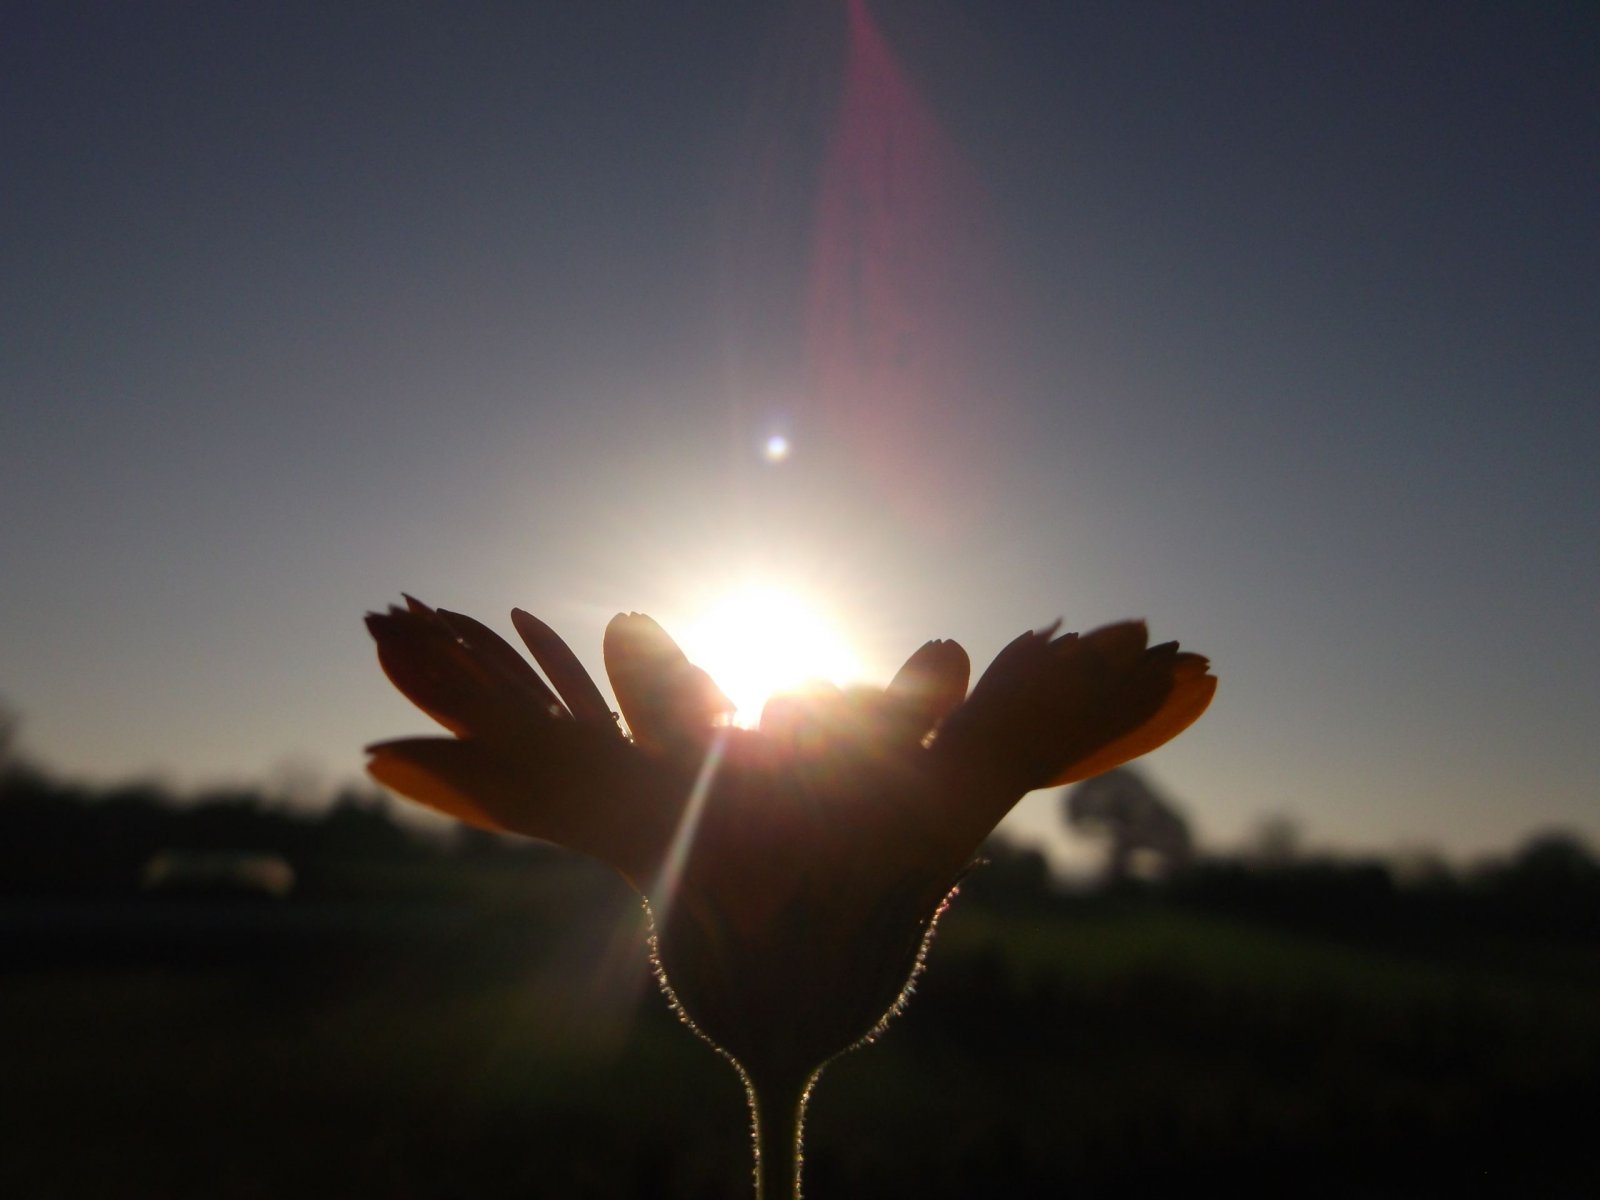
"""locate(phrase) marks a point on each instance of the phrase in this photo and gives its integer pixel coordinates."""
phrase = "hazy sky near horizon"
(1278, 325)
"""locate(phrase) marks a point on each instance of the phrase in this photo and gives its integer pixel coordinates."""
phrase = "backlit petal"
(666, 700)
(1190, 695)
(576, 788)
(933, 682)
(1049, 713)
(459, 675)
(458, 779)
(497, 651)
(558, 662)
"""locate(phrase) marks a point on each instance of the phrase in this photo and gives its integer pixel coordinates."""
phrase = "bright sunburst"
(762, 640)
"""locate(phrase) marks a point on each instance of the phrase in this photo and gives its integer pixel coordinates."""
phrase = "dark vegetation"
(449, 1015)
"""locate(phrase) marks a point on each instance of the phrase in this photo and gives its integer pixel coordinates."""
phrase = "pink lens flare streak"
(906, 300)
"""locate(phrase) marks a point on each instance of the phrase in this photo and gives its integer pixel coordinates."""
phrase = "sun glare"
(760, 641)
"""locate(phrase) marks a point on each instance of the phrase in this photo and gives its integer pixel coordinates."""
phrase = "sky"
(1277, 325)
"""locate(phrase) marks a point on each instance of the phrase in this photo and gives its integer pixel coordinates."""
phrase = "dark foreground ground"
(500, 1038)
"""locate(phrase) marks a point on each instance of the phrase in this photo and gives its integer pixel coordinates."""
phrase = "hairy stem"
(777, 1120)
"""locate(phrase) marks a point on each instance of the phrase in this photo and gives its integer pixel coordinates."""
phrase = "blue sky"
(1276, 325)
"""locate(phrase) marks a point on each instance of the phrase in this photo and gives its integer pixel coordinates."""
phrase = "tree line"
(66, 839)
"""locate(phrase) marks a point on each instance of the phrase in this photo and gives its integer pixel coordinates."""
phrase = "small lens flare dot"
(776, 449)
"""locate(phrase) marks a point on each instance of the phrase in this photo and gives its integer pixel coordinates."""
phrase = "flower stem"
(777, 1118)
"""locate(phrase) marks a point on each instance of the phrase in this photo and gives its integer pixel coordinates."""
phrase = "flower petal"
(577, 788)
(563, 668)
(666, 700)
(933, 682)
(459, 779)
(1191, 691)
(1048, 712)
(463, 675)
(496, 650)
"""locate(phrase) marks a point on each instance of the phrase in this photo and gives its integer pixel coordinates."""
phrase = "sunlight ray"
(683, 839)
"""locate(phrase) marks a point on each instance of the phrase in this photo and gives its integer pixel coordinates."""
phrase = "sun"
(761, 640)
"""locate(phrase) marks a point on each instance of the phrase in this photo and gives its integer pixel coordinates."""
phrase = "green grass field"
(503, 1039)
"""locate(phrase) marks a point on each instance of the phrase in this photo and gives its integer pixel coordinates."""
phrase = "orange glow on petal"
(1048, 712)
(1192, 690)
(577, 790)
(456, 779)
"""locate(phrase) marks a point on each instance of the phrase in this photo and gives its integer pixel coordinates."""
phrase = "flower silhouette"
(794, 871)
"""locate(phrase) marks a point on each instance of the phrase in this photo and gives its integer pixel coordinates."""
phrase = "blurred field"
(446, 1032)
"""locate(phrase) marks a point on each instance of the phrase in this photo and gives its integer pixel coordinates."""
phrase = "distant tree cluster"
(60, 838)
(1549, 886)
(68, 840)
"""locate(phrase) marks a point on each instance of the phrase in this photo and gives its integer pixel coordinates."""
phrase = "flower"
(794, 870)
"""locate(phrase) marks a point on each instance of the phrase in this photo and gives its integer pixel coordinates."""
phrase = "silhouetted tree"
(1145, 834)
